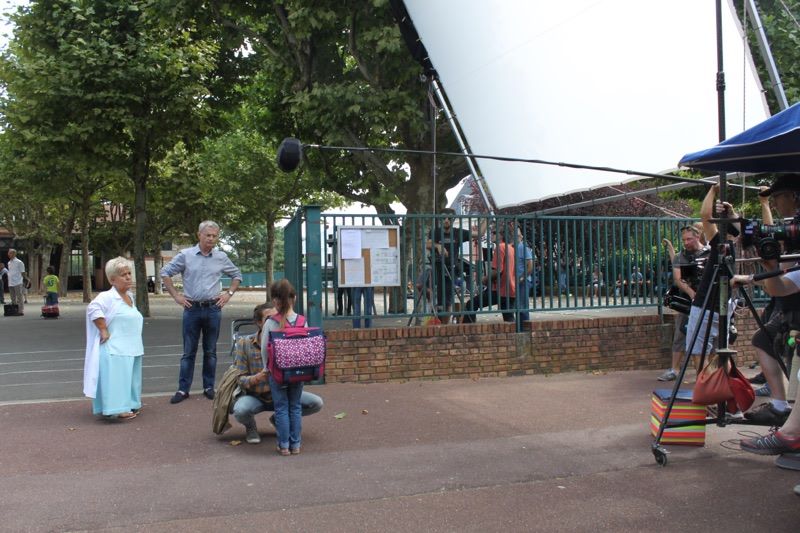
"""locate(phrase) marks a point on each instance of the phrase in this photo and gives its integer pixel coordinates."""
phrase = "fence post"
(314, 253)
(293, 256)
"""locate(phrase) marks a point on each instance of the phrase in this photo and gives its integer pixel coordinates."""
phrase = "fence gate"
(302, 253)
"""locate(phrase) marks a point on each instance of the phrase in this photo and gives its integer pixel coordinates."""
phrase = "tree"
(780, 21)
(240, 163)
(341, 75)
(152, 92)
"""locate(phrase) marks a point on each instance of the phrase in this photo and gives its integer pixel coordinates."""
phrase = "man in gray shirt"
(201, 266)
(16, 280)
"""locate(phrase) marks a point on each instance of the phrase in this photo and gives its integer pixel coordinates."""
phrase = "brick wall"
(495, 349)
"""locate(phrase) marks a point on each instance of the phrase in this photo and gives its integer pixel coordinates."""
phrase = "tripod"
(718, 291)
(427, 282)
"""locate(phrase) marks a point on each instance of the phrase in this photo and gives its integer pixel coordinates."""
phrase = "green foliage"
(341, 75)
(780, 21)
(248, 249)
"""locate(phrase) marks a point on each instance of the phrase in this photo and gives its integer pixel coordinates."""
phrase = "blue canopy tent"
(771, 146)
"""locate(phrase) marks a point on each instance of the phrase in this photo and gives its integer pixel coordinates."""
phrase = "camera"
(768, 238)
(677, 301)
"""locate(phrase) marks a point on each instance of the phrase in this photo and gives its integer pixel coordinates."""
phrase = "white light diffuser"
(629, 84)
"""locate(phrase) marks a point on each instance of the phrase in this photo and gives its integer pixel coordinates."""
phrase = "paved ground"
(561, 453)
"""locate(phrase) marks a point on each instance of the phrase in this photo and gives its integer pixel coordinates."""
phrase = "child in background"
(51, 286)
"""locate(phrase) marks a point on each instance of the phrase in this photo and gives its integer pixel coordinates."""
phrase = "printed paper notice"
(385, 267)
(351, 244)
(374, 238)
(354, 272)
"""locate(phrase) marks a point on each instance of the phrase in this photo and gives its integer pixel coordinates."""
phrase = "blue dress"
(119, 387)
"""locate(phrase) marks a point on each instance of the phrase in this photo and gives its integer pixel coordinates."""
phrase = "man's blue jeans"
(369, 305)
(247, 406)
(562, 281)
(196, 321)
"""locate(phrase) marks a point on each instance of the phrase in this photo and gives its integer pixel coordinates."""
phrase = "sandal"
(283, 451)
(295, 451)
(126, 416)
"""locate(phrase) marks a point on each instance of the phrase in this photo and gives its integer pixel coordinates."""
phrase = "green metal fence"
(579, 263)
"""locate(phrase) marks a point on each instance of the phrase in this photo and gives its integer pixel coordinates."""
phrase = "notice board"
(369, 256)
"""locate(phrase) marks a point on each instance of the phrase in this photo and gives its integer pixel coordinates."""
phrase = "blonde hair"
(115, 266)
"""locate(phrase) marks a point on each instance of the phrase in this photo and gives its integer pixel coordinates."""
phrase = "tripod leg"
(659, 452)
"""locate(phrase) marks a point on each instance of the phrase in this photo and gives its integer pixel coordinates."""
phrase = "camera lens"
(769, 248)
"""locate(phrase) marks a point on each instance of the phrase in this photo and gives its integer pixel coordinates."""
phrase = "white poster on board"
(354, 272)
(384, 266)
(351, 244)
(374, 238)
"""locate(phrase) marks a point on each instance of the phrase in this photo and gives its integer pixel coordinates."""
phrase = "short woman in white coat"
(112, 374)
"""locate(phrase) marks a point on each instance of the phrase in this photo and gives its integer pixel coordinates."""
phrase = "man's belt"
(204, 303)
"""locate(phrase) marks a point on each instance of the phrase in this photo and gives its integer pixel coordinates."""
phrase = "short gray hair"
(207, 224)
(115, 266)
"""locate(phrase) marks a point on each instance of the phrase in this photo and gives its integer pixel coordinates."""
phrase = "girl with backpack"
(286, 397)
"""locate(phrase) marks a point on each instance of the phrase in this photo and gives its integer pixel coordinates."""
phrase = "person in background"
(3, 272)
(51, 286)
(597, 282)
(367, 295)
(445, 243)
(112, 374)
(16, 281)
(254, 380)
(499, 287)
(687, 269)
(697, 326)
(201, 266)
(637, 283)
(523, 257)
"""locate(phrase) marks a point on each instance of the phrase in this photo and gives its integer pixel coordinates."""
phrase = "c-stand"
(428, 281)
(717, 293)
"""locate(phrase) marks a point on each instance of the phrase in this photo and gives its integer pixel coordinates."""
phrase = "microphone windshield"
(289, 154)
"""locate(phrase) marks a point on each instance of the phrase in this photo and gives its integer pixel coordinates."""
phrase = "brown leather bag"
(712, 386)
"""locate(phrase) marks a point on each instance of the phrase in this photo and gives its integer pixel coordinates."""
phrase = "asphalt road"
(42, 359)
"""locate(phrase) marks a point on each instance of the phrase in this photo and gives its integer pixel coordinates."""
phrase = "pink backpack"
(296, 354)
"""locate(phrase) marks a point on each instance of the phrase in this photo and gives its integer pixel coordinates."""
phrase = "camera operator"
(768, 341)
(445, 241)
(697, 324)
(687, 269)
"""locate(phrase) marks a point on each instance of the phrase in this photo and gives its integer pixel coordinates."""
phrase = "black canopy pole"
(720, 96)
(725, 256)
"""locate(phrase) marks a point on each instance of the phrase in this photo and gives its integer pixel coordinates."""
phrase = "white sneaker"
(668, 375)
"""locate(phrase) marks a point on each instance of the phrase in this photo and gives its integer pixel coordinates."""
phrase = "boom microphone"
(290, 152)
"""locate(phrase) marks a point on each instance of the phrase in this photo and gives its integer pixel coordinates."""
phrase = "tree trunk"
(66, 252)
(140, 175)
(86, 267)
(270, 252)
